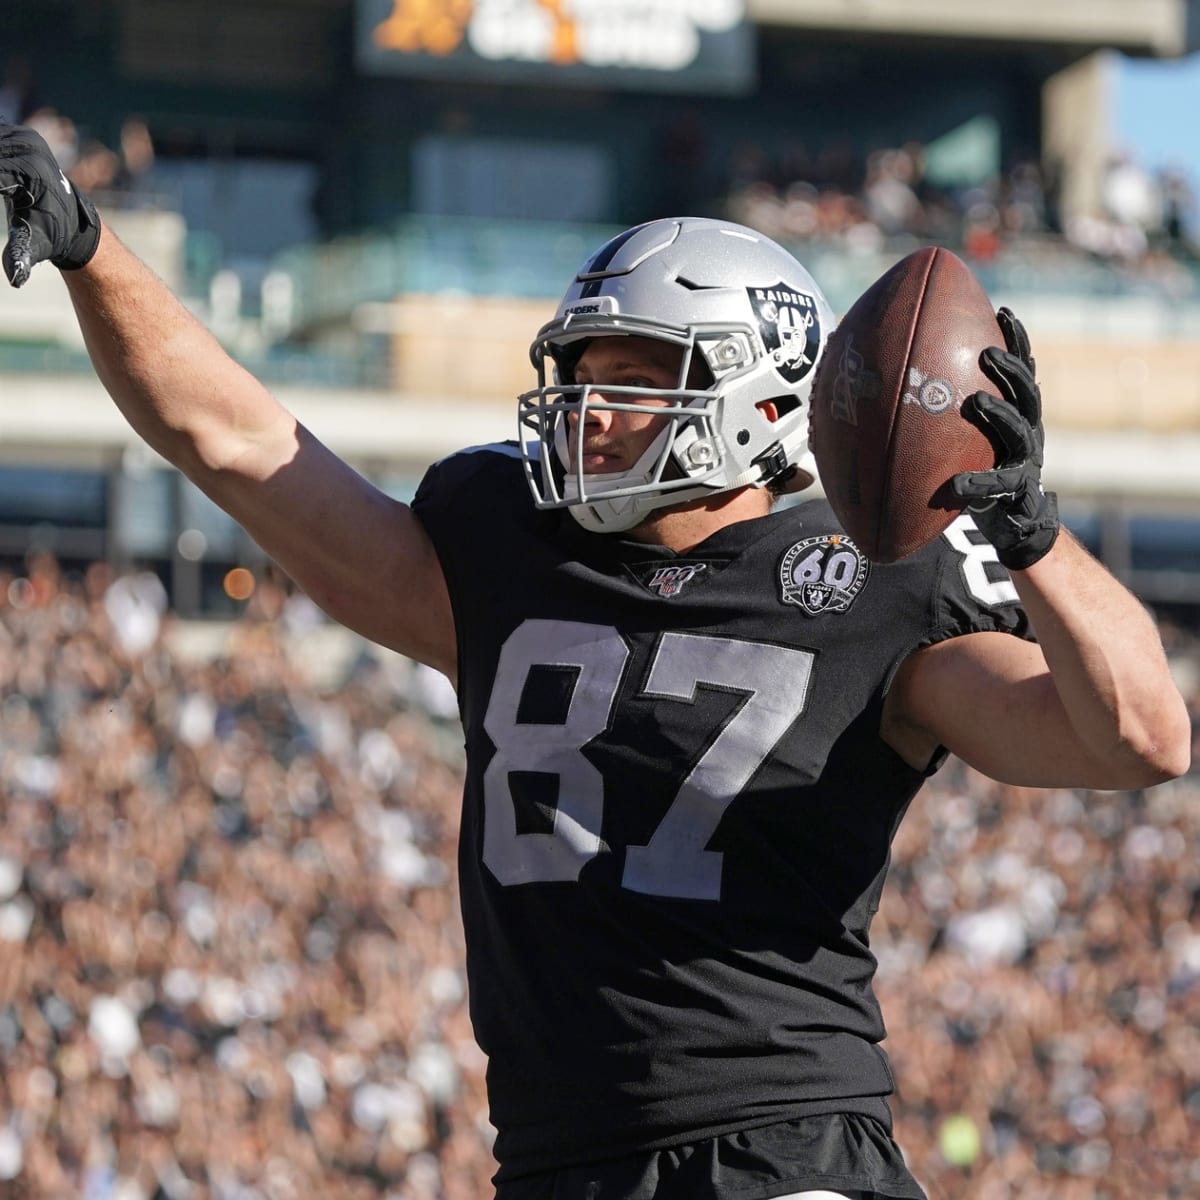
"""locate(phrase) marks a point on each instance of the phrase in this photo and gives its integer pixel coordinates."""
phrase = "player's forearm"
(1108, 666)
(168, 375)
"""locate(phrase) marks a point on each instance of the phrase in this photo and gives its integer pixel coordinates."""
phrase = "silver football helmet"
(725, 294)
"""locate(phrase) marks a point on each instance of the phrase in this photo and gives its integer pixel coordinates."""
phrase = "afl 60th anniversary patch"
(822, 574)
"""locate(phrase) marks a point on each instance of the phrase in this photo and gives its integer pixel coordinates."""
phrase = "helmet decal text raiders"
(790, 325)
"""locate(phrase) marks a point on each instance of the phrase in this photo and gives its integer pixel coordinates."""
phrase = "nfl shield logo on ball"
(822, 574)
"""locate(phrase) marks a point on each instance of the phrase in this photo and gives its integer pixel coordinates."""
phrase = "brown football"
(887, 430)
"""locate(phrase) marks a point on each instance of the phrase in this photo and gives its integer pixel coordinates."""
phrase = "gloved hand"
(1008, 502)
(48, 218)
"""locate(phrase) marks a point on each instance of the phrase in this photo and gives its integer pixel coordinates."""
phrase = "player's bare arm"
(359, 554)
(362, 556)
(1091, 704)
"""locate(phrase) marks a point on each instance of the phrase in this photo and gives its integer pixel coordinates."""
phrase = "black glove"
(1008, 502)
(48, 218)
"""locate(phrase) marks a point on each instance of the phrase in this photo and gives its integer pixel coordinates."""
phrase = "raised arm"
(1092, 704)
(363, 557)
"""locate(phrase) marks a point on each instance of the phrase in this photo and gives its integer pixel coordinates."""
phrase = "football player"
(693, 716)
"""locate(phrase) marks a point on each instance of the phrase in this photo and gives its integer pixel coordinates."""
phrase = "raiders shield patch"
(822, 574)
(790, 325)
(933, 395)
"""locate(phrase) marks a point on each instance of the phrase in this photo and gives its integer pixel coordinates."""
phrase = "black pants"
(840, 1152)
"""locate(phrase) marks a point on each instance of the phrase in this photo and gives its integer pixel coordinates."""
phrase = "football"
(887, 431)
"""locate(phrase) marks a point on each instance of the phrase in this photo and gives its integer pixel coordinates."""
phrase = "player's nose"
(595, 412)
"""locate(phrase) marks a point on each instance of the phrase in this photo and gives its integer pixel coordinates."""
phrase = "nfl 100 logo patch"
(822, 574)
(670, 580)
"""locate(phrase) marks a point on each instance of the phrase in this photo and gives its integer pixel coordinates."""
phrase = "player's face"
(614, 440)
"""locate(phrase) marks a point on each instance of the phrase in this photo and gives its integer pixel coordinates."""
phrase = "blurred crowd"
(120, 174)
(231, 953)
(1143, 221)
(230, 949)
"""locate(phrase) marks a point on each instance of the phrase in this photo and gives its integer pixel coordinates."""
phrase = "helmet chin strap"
(607, 516)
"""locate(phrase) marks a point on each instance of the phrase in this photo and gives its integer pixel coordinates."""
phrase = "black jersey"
(678, 808)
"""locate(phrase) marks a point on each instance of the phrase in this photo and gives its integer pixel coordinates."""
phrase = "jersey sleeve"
(443, 497)
(973, 592)
(468, 501)
(476, 507)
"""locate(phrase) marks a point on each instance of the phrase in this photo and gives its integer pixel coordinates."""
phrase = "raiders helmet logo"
(790, 325)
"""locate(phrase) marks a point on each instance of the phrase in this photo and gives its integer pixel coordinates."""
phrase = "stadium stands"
(230, 952)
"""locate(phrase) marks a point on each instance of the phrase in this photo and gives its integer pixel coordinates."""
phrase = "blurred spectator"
(981, 233)
(95, 167)
(1179, 209)
(890, 192)
(60, 133)
(134, 605)
(1131, 195)
(18, 88)
(135, 174)
(1025, 206)
(1131, 215)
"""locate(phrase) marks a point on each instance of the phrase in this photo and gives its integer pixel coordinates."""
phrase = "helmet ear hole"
(699, 376)
(779, 406)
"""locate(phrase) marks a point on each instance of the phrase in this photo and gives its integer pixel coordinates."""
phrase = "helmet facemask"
(676, 465)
